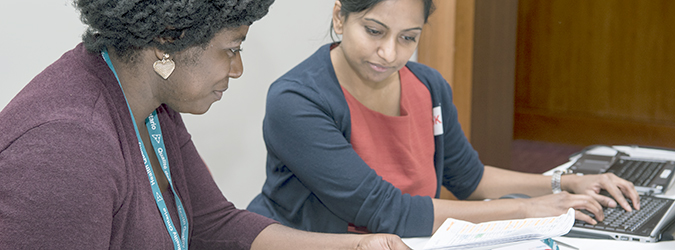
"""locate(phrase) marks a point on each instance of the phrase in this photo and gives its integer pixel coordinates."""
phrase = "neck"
(137, 87)
(383, 96)
(356, 85)
(349, 79)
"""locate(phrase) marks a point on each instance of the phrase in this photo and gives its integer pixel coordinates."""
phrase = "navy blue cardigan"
(317, 182)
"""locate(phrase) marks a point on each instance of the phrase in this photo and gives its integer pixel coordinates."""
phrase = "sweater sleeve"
(299, 129)
(217, 223)
(57, 187)
(462, 168)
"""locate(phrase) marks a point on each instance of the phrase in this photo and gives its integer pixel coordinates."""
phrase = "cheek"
(185, 85)
(215, 70)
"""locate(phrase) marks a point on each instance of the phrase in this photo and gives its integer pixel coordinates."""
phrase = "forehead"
(230, 36)
(396, 12)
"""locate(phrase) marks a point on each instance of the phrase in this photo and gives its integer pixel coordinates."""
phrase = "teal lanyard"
(155, 131)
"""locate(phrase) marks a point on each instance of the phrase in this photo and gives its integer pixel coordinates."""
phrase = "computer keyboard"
(640, 173)
(619, 220)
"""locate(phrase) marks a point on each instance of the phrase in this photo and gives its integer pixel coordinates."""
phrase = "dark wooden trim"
(494, 58)
(588, 130)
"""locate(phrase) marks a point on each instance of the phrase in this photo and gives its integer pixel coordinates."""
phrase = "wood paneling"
(477, 57)
(493, 76)
(437, 49)
(596, 72)
(472, 44)
(446, 38)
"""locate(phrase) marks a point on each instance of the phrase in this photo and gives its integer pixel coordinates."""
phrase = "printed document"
(459, 234)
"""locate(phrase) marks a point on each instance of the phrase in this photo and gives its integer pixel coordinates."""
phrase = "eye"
(233, 51)
(409, 38)
(373, 31)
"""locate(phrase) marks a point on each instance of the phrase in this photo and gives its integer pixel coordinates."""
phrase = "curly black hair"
(129, 26)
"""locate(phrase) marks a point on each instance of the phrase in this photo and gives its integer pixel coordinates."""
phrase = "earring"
(164, 67)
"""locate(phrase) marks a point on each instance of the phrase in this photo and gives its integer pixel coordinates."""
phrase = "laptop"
(648, 224)
(651, 170)
(649, 175)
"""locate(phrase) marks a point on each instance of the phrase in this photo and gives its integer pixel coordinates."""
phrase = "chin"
(201, 112)
(196, 111)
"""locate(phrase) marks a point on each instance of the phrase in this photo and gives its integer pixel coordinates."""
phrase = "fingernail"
(611, 204)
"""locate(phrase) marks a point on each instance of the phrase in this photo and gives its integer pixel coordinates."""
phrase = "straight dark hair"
(356, 6)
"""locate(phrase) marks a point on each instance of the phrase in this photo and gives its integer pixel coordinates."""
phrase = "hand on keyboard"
(619, 220)
(556, 204)
(620, 189)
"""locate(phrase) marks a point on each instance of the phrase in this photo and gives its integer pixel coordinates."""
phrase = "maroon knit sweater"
(72, 175)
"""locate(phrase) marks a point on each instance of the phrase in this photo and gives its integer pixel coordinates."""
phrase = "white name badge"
(438, 121)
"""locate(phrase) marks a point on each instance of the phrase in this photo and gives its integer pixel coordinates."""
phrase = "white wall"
(36, 32)
(229, 136)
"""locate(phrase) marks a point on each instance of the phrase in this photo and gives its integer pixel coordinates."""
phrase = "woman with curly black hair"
(94, 153)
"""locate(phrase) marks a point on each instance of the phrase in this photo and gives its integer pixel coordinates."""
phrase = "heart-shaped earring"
(164, 67)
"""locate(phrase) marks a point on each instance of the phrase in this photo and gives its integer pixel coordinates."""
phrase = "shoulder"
(73, 87)
(315, 72)
(312, 80)
(64, 111)
(426, 74)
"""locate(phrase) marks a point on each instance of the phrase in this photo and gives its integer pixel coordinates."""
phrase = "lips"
(378, 68)
(219, 93)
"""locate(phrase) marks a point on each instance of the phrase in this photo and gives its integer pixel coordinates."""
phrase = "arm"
(279, 237)
(59, 188)
(466, 177)
(215, 222)
(302, 130)
(498, 182)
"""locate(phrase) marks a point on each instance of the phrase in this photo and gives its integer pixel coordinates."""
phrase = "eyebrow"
(240, 39)
(380, 23)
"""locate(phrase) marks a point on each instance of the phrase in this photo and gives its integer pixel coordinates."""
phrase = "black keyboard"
(638, 221)
(640, 173)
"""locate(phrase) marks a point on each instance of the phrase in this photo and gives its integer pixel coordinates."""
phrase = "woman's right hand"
(381, 242)
(557, 204)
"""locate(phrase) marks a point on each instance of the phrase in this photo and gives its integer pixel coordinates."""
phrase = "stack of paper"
(459, 234)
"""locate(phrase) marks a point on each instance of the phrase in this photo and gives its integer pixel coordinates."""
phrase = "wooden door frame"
(472, 43)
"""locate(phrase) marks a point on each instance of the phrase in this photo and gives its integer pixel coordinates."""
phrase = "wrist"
(567, 181)
(556, 181)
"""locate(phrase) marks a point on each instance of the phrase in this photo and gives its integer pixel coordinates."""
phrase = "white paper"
(527, 245)
(459, 234)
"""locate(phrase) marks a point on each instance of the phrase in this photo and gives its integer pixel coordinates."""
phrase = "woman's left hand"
(381, 242)
(591, 185)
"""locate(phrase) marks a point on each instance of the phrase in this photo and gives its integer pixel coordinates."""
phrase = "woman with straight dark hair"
(359, 139)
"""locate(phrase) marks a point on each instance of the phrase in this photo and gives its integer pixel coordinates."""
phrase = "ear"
(160, 54)
(338, 19)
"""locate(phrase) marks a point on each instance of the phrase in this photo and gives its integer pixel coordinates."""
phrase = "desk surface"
(582, 244)
(418, 243)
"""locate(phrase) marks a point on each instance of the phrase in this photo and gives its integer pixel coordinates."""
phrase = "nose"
(236, 66)
(387, 49)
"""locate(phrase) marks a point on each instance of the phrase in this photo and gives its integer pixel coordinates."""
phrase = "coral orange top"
(398, 148)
